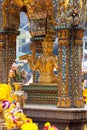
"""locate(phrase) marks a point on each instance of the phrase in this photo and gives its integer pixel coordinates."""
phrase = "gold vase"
(18, 86)
(19, 93)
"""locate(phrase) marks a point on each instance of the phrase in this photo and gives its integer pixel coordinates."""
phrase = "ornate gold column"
(69, 64)
(37, 30)
(7, 52)
(37, 42)
(1, 19)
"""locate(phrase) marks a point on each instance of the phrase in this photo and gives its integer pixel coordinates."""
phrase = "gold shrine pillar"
(7, 52)
(70, 70)
(37, 31)
(37, 42)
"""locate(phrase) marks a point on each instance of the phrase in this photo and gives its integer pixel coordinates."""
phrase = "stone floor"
(63, 118)
(52, 107)
(74, 118)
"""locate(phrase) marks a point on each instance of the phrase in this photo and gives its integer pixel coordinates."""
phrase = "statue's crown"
(48, 41)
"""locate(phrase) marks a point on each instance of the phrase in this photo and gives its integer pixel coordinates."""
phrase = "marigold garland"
(13, 114)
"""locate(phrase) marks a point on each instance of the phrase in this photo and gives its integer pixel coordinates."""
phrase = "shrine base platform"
(63, 118)
(41, 93)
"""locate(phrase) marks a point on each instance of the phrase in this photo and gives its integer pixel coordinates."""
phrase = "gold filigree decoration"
(12, 9)
(35, 10)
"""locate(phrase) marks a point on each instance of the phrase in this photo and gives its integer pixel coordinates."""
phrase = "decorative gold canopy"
(36, 10)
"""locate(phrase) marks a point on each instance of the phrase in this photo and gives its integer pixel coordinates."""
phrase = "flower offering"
(17, 73)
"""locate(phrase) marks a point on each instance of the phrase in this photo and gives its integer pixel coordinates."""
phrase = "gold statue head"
(48, 41)
(48, 44)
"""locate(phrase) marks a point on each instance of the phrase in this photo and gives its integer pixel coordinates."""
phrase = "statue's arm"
(24, 57)
(29, 58)
(56, 62)
(34, 65)
(37, 65)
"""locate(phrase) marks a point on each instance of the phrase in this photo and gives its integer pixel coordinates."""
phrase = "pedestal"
(64, 119)
(41, 93)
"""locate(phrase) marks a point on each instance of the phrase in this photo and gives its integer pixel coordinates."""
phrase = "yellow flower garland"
(14, 117)
(5, 91)
(29, 126)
